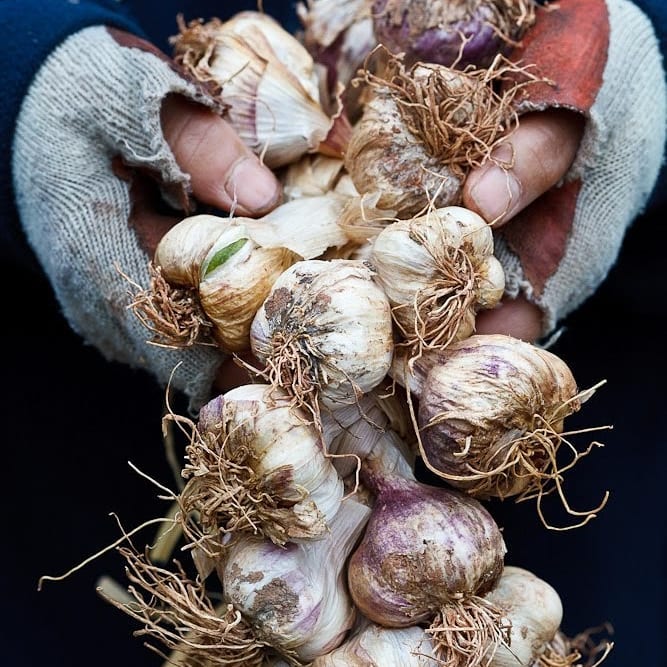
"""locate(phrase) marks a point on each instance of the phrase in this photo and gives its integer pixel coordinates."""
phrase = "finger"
(224, 171)
(541, 150)
(513, 317)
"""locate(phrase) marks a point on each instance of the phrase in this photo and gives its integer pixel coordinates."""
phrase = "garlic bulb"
(269, 83)
(375, 646)
(534, 611)
(230, 264)
(427, 555)
(295, 596)
(258, 466)
(424, 128)
(491, 415)
(325, 332)
(438, 270)
(459, 32)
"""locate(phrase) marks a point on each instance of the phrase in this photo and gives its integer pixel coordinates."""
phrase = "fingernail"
(253, 186)
(496, 194)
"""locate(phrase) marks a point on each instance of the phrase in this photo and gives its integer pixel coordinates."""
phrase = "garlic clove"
(236, 277)
(182, 249)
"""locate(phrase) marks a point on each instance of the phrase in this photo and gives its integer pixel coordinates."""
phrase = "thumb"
(541, 151)
(224, 171)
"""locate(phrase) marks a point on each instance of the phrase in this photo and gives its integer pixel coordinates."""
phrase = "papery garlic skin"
(326, 326)
(423, 548)
(534, 610)
(292, 489)
(438, 270)
(287, 595)
(483, 395)
(269, 82)
(375, 646)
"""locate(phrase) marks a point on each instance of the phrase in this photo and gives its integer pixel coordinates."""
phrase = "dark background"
(72, 421)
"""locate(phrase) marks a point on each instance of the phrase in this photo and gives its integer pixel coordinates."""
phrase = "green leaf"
(223, 255)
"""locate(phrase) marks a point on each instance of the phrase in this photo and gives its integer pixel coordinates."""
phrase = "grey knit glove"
(86, 123)
(605, 60)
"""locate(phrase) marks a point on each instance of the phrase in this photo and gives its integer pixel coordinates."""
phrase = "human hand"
(224, 172)
(541, 150)
(587, 153)
(109, 153)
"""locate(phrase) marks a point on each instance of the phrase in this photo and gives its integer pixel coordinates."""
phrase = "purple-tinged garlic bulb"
(438, 271)
(456, 32)
(269, 83)
(295, 597)
(491, 416)
(324, 332)
(427, 556)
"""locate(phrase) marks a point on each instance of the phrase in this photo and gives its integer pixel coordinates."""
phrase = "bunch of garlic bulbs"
(357, 297)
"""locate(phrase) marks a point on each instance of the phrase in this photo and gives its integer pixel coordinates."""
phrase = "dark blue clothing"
(72, 420)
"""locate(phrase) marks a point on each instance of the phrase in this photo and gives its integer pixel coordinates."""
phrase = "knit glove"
(605, 61)
(90, 121)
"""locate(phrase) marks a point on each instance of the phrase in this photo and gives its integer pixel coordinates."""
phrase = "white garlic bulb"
(295, 596)
(325, 332)
(534, 611)
(269, 82)
(259, 467)
(438, 271)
